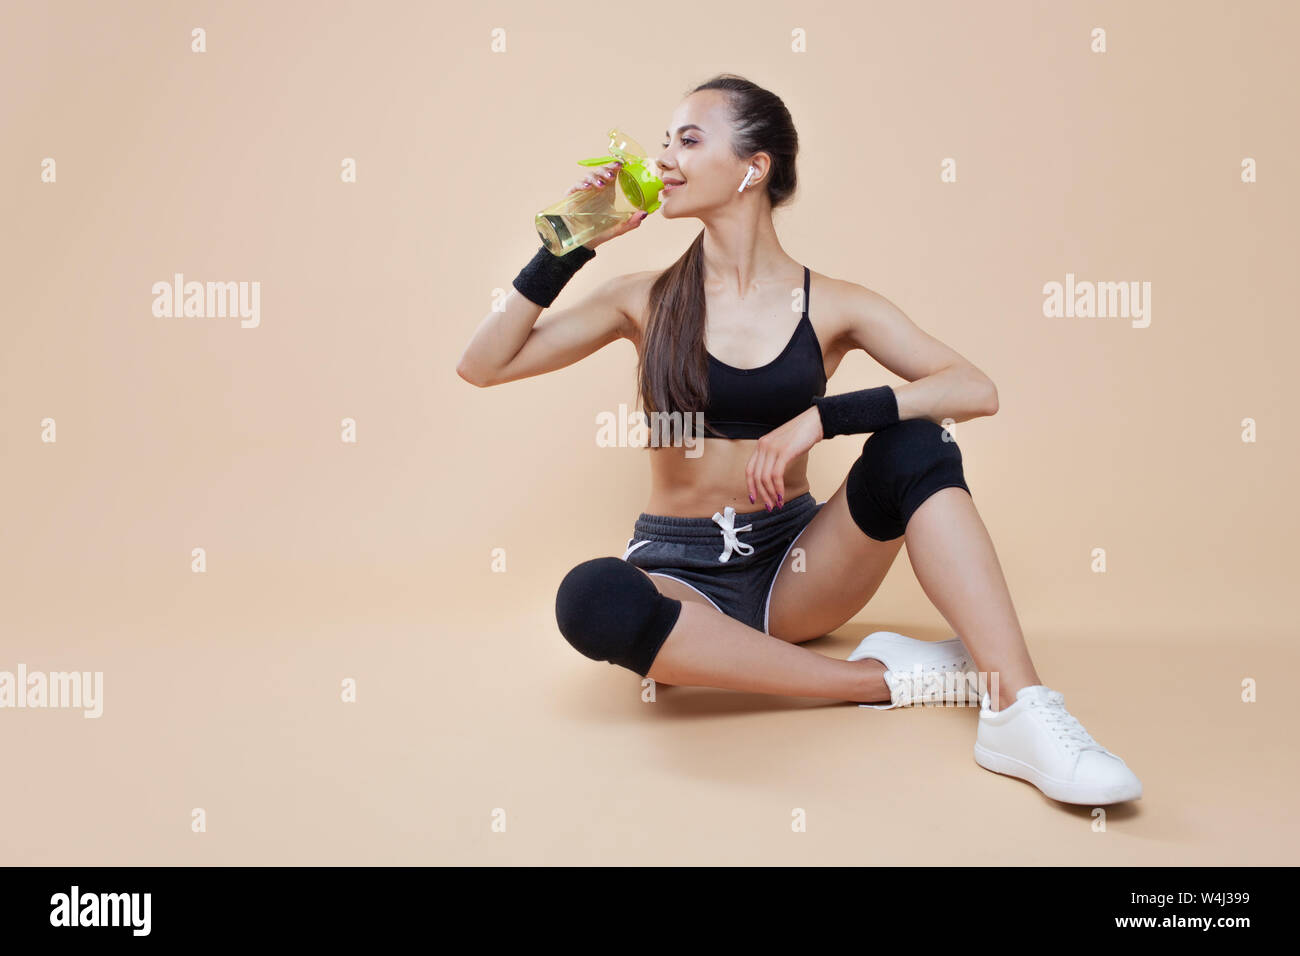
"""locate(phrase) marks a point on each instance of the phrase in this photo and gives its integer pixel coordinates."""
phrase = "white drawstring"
(727, 521)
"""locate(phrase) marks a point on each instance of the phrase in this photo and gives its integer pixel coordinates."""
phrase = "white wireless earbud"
(748, 176)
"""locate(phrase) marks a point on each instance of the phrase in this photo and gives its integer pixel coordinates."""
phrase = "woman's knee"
(900, 467)
(609, 610)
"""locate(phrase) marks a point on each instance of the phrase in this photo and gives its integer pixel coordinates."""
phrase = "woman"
(711, 595)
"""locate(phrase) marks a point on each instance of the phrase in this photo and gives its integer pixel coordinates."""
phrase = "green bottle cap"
(638, 175)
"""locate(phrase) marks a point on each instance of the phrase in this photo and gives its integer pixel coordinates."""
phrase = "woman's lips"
(669, 187)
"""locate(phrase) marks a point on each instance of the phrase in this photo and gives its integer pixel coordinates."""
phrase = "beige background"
(371, 560)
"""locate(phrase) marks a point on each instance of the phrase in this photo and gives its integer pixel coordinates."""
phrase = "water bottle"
(571, 221)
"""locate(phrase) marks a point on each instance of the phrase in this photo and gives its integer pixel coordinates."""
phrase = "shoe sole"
(1062, 790)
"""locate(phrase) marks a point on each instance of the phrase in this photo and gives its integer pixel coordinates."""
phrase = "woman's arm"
(941, 384)
(513, 343)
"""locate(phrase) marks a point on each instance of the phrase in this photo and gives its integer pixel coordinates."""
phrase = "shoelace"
(908, 686)
(727, 521)
(1065, 725)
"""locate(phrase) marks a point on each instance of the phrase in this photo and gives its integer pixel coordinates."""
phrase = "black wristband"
(542, 279)
(853, 413)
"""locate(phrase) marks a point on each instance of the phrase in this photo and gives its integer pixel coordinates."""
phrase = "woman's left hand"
(765, 473)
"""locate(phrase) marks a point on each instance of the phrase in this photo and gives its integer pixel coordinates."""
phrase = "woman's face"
(697, 152)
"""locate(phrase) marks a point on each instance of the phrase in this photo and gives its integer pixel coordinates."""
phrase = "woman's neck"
(742, 253)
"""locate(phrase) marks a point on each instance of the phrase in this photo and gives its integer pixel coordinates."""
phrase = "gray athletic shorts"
(731, 558)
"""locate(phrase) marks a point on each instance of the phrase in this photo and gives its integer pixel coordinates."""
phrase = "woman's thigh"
(841, 568)
(670, 587)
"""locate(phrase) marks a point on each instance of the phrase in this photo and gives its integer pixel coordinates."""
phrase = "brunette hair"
(673, 370)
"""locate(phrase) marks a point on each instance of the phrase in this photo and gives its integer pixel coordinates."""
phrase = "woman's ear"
(760, 166)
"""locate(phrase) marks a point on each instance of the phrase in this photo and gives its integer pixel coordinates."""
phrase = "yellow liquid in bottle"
(579, 217)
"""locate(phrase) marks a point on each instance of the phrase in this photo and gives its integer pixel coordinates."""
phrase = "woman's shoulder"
(833, 302)
(634, 299)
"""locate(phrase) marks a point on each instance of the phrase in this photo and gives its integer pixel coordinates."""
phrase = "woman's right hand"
(603, 178)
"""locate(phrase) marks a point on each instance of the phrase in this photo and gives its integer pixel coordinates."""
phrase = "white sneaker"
(921, 672)
(1038, 740)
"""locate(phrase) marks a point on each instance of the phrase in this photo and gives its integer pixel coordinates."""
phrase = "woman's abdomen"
(696, 482)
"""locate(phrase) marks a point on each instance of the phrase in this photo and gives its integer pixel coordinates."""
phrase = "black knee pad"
(610, 611)
(900, 466)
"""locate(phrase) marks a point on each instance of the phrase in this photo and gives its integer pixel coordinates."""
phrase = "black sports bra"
(750, 402)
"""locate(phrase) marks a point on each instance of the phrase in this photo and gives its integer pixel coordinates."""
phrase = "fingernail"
(779, 499)
(769, 509)
(751, 499)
